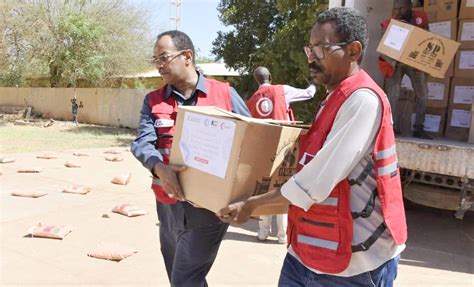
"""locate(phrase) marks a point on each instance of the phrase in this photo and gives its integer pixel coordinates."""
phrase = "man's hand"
(238, 212)
(169, 179)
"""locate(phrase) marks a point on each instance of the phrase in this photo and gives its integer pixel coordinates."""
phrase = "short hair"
(180, 40)
(351, 25)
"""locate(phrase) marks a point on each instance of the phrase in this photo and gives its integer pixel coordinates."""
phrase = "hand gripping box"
(231, 157)
(418, 48)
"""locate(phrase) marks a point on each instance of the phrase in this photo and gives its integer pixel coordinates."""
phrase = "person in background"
(189, 236)
(273, 102)
(394, 71)
(346, 220)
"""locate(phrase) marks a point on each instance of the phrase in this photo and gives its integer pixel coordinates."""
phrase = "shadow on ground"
(436, 239)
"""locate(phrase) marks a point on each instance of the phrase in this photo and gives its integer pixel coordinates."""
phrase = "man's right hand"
(169, 179)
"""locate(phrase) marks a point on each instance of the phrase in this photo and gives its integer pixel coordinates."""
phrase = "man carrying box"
(346, 219)
(189, 236)
(394, 71)
(273, 102)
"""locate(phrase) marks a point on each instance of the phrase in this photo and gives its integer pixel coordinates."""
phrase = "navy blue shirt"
(143, 147)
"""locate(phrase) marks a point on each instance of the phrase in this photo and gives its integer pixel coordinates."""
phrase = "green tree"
(72, 40)
(268, 33)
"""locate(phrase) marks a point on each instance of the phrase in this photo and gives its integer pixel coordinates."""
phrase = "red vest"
(268, 102)
(322, 236)
(164, 111)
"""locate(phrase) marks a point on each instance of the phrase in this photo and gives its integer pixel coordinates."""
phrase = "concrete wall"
(112, 107)
(375, 11)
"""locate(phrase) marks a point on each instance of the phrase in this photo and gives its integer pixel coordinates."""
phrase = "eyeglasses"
(165, 58)
(318, 50)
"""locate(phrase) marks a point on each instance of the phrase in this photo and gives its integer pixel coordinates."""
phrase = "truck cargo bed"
(439, 156)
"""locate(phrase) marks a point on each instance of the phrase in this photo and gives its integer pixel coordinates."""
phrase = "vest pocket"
(321, 234)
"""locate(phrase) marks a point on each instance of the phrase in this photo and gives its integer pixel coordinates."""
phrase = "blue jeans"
(293, 273)
(190, 238)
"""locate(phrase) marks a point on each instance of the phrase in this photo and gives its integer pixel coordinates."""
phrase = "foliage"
(72, 39)
(272, 34)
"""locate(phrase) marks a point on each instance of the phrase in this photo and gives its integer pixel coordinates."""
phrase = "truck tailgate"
(437, 156)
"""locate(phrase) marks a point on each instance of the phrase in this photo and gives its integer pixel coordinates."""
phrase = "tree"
(69, 40)
(272, 34)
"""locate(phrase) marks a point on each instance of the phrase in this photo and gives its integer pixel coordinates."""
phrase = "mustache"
(315, 66)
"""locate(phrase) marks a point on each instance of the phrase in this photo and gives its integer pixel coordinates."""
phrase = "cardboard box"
(447, 28)
(459, 123)
(438, 91)
(464, 65)
(435, 120)
(438, 10)
(466, 9)
(462, 93)
(418, 48)
(231, 157)
(466, 34)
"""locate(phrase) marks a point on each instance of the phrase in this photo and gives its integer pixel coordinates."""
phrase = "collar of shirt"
(264, 84)
(201, 86)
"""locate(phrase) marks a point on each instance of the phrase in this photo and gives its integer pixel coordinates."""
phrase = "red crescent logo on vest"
(264, 107)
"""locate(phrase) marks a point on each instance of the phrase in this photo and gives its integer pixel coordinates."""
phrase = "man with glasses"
(189, 236)
(346, 221)
(394, 71)
(273, 102)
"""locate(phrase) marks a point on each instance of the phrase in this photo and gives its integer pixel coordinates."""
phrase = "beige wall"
(112, 107)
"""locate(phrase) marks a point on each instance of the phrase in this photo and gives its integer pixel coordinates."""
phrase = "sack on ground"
(114, 157)
(78, 153)
(29, 170)
(122, 179)
(72, 164)
(6, 159)
(76, 189)
(29, 193)
(47, 156)
(50, 231)
(111, 251)
(129, 210)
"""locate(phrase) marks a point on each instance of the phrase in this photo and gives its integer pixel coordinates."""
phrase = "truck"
(437, 173)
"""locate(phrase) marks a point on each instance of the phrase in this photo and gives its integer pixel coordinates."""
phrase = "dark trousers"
(293, 274)
(190, 238)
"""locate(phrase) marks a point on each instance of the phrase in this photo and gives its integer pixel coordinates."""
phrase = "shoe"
(421, 134)
(262, 235)
(282, 240)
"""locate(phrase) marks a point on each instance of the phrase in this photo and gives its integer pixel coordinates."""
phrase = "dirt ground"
(439, 249)
(43, 134)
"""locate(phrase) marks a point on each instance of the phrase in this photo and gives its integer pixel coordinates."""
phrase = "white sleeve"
(293, 94)
(352, 134)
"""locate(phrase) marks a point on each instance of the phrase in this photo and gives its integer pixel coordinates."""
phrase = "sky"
(199, 19)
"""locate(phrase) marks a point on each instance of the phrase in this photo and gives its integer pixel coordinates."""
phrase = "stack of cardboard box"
(450, 99)
(462, 86)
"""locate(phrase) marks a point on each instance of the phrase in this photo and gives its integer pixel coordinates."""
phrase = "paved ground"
(440, 250)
